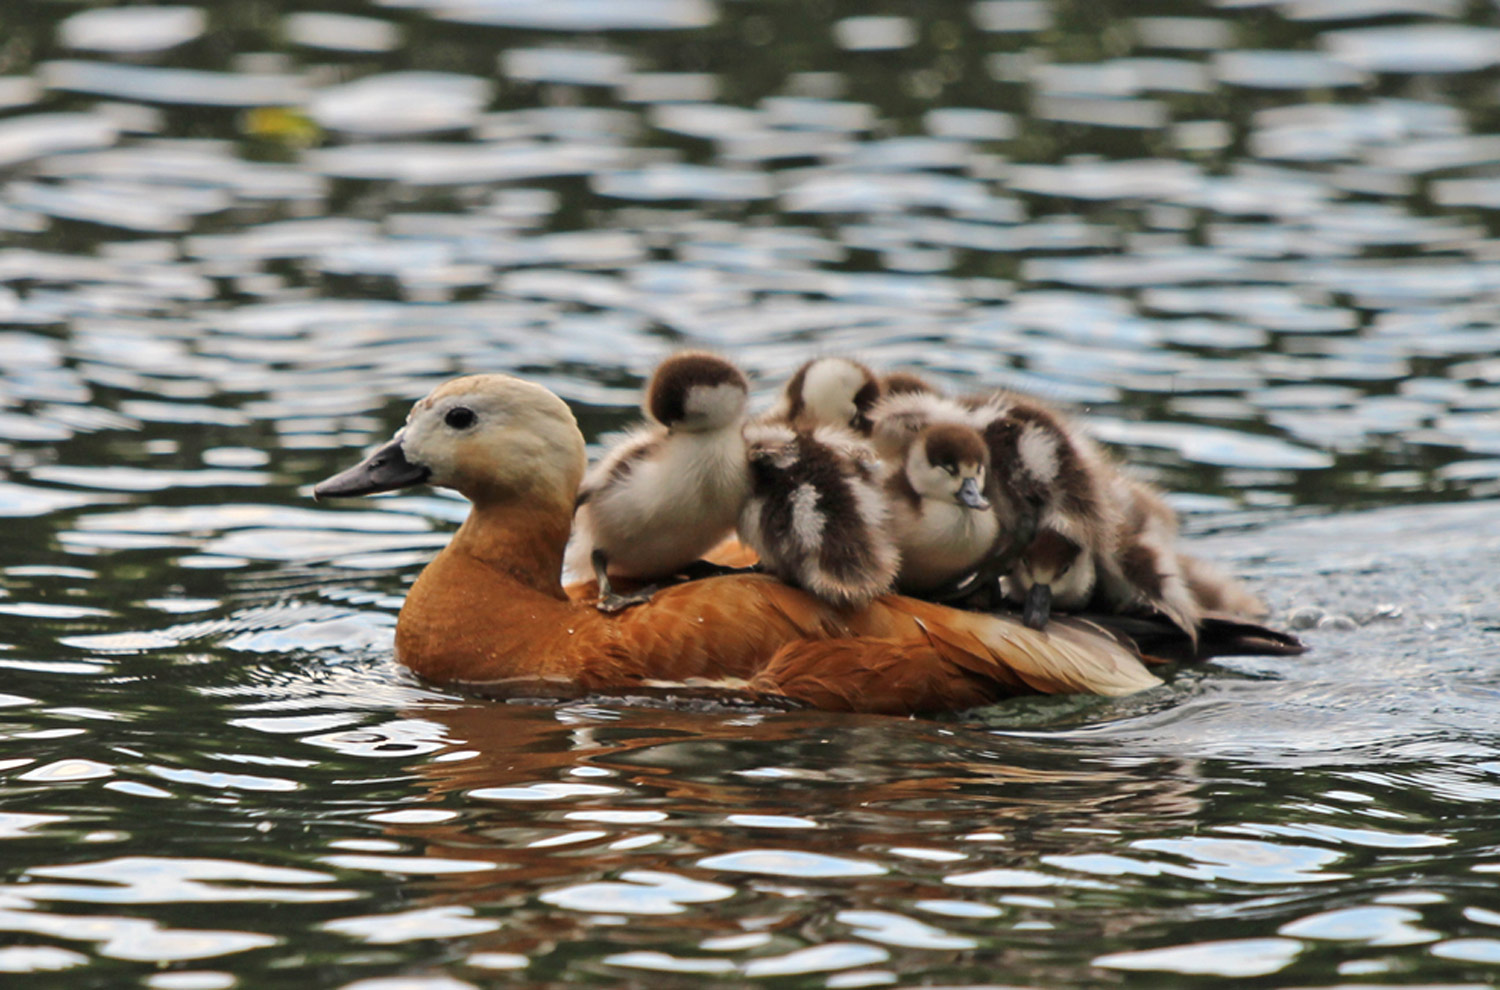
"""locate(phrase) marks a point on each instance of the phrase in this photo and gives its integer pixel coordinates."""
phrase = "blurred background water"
(1253, 243)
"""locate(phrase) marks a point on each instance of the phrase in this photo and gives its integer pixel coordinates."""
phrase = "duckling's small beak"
(1038, 606)
(969, 494)
(383, 471)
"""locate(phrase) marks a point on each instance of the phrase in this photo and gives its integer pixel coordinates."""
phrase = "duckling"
(828, 391)
(1145, 573)
(816, 514)
(944, 525)
(1052, 486)
(670, 490)
(1101, 538)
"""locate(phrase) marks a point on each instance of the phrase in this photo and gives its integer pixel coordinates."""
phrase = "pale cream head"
(496, 438)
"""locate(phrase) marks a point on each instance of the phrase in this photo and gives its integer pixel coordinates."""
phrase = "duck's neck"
(522, 542)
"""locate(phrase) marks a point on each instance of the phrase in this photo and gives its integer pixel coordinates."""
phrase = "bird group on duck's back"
(868, 543)
(852, 486)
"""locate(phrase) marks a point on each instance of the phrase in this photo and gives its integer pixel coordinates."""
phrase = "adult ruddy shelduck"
(490, 610)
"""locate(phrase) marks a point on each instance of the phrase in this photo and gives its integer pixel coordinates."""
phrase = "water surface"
(1254, 245)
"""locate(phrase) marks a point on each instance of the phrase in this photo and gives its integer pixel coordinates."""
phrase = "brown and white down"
(817, 515)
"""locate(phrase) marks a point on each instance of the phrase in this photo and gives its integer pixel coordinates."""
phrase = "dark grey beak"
(969, 494)
(383, 471)
(1038, 606)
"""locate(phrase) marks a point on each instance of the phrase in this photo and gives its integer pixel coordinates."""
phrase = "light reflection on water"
(1256, 242)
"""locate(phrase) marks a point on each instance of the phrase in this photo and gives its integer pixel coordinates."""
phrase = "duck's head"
(949, 461)
(832, 391)
(491, 438)
(697, 392)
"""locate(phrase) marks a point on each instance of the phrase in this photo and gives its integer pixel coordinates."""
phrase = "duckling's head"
(491, 438)
(949, 461)
(697, 392)
(832, 391)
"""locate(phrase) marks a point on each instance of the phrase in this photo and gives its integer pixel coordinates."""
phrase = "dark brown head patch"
(949, 444)
(794, 401)
(905, 383)
(666, 396)
(864, 400)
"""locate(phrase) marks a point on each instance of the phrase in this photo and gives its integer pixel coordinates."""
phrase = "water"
(1255, 242)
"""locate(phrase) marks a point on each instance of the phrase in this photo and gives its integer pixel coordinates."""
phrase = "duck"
(827, 391)
(817, 515)
(943, 524)
(490, 613)
(670, 490)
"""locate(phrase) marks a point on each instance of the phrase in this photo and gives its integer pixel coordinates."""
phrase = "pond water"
(1255, 243)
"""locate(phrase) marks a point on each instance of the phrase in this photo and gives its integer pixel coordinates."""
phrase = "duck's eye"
(460, 417)
(952, 469)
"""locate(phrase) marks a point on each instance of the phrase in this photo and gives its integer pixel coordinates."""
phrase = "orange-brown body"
(490, 612)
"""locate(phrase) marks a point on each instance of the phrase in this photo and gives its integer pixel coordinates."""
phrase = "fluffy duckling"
(671, 490)
(1145, 573)
(816, 515)
(1101, 538)
(828, 391)
(945, 527)
(1053, 486)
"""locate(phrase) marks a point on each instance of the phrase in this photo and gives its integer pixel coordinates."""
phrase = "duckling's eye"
(460, 417)
(952, 469)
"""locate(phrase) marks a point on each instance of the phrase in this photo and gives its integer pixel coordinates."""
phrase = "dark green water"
(1256, 243)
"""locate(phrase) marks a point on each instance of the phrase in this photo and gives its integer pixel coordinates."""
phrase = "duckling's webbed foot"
(612, 601)
(1038, 607)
